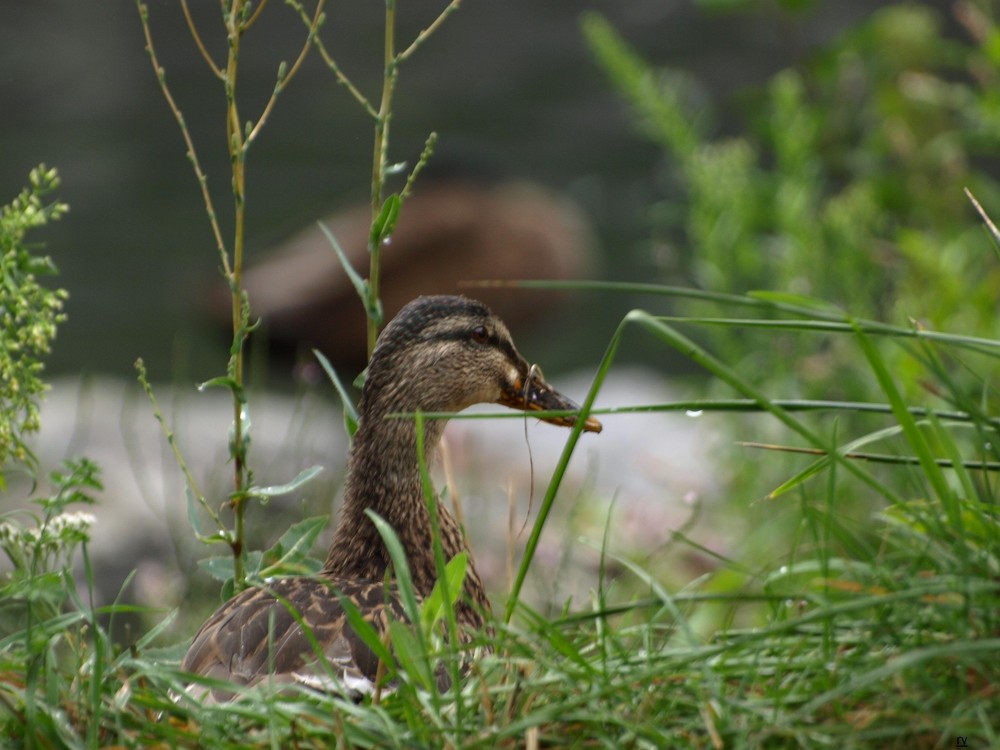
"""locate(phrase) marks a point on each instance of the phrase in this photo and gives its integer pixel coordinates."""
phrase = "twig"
(425, 157)
(197, 40)
(191, 152)
(285, 79)
(390, 61)
(256, 14)
(341, 77)
(380, 158)
(140, 367)
(425, 34)
(240, 305)
(985, 217)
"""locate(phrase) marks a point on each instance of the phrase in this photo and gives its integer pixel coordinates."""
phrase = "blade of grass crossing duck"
(557, 476)
(443, 584)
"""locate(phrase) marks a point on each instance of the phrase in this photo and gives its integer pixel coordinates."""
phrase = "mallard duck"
(439, 354)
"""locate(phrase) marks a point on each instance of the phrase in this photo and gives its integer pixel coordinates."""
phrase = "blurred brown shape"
(449, 231)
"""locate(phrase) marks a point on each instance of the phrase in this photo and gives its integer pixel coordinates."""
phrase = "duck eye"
(480, 335)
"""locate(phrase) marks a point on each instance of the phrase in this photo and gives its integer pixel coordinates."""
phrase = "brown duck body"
(438, 354)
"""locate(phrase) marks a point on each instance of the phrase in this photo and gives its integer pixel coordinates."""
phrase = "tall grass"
(862, 608)
(876, 623)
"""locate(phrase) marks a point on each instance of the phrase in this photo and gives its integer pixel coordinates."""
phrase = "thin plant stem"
(426, 33)
(237, 155)
(238, 144)
(192, 154)
(331, 63)
(256, 14)
(425, 156)
(198, 42)
(382, 117)
(379, 161)
(140, 367)
(877, 458)
(283, 78)
(237, 18)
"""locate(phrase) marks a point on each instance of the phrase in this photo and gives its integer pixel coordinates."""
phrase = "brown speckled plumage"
(438, 354)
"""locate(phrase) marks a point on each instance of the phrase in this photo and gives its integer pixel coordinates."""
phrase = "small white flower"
(78, 521)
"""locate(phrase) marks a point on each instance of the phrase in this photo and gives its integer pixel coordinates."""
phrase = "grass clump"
(871, 628)
(860, 610)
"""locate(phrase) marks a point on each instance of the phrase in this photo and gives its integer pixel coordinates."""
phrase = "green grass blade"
(350, 410)
(550, 493)
(674, 338)
(912, 432)
(356, 281)
(401, 567)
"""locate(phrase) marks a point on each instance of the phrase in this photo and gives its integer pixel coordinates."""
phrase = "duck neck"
(383, 474)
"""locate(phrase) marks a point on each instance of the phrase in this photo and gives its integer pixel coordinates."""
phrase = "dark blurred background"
(506, 85)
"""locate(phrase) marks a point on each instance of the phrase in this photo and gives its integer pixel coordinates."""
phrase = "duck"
(438, 354)
(459, 226)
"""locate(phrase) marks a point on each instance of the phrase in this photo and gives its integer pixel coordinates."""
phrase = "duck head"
(446, 353)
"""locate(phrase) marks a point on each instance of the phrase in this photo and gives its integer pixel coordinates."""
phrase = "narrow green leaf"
(796, 300)
(990, 226)
(550, 493)
(433, 608)
(818, 466)
(45, 629)
(350, 411)
(385, 222)
(914, 436)
(303, 534)
(859, 680)
(440, 564)
(283, 489)
(154, 632)
(565, 646)
(658, 328)
(812, 470)
(779, 324)
(800, 573)
(990, 347)
(293, 547)
(224, 381)
(222, 535)
(192, 513)
(356, 281)
(400, 565)
(410, 654)
(359, 381)
(367, 633)
(219, 567)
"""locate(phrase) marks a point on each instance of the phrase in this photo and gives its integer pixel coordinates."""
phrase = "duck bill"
(534, 394)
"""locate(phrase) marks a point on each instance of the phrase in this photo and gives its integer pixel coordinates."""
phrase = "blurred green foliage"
(848, 185)
(29, 314)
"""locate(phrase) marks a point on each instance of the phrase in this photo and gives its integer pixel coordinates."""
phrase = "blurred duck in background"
(454, 228)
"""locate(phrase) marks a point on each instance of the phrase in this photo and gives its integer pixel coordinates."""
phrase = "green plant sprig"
(30, 315)
(384, 210)
(237, 19)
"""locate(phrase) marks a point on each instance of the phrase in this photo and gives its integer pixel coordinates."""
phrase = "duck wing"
(255, 635)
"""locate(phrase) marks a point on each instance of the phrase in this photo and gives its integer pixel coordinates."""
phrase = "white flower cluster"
(77, 521)
(75, 526)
